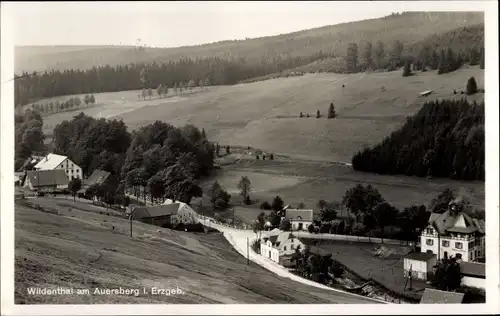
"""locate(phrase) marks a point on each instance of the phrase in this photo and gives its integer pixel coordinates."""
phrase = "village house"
(299, 219)
(58, 162)
(279, 248)
(46, 180)
(473, 274)
(454, 234)
(420, 264)
(168, 214)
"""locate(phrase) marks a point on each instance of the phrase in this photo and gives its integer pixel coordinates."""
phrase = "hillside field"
(265, 115)
(79, 249)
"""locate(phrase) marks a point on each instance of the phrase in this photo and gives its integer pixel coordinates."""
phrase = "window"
(445, 243)
(429, 242)
(284, 248)
(458, 256)
(292, 247)
(459, 245)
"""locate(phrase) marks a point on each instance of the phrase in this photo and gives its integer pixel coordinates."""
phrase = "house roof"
(155, 211)
(50, 162)
(97, 177)
(432, 296)
(47, 177)
(280, 239)
(295, 214)
(480, 224)
(446, 222)
(420, 256)
(473, 269)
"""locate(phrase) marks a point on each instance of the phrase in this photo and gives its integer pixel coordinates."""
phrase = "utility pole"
(130, 219)
(248, 252)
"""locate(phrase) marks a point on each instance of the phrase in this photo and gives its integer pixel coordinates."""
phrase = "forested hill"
(444, 139)
(328, 41)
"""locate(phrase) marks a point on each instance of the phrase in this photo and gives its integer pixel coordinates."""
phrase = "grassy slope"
(247, 114)
(78, 249)
(409, 28)
(265, 114)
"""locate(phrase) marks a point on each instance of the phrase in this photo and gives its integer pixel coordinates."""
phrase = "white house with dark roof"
(473, 274)
(275, 247)
(300, 219)
(58, 162)
(454, 234)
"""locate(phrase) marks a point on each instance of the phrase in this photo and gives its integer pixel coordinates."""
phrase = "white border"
(491, 187)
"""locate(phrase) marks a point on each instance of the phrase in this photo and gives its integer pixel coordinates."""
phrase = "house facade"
(279, 247)
(420, 264)
(300, 219)
(454, 234)
(473, 274)
(58, 162)
(46, 180)
(165, 215)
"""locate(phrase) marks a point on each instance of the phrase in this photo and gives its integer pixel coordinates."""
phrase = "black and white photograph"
(250, 157)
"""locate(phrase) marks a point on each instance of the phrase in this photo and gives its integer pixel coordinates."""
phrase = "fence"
(375, 240)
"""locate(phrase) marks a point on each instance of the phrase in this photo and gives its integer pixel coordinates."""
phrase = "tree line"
(158, 160)
(244, 62)
(370, 211)
(178, 75)
(444, 139)
(29, 137)
(379, 56)
(58, 106)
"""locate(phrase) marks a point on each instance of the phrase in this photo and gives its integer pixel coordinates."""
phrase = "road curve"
(238, 239)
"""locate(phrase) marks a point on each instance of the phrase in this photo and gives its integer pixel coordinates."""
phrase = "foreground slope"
(79, 249)
(409, 28)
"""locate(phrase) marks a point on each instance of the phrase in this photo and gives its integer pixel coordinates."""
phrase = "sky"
(171, 24)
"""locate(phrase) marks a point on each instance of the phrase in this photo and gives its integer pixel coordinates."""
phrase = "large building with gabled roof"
(58, 162)
(454, 234)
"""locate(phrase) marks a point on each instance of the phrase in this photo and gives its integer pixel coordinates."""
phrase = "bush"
(337, 269)
(198, 227)
(310, 228)
(220, 204)
(325, 228)
(358, 229)
(471, 87)
(256, 246)
(265, 205)
(406, 69)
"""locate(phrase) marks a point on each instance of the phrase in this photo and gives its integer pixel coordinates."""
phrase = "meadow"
(265, 116)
